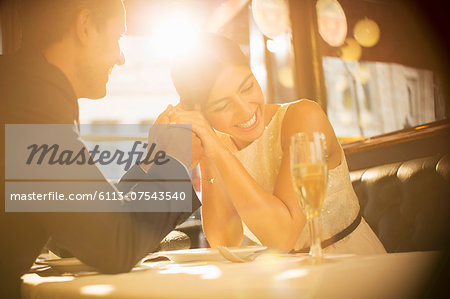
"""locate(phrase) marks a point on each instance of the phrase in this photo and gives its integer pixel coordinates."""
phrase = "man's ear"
(84, 26)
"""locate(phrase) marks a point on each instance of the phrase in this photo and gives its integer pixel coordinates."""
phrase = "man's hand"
(173, 139)
(163, 118)
(210, 143)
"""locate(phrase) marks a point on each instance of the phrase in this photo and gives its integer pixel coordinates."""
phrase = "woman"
(245, 169)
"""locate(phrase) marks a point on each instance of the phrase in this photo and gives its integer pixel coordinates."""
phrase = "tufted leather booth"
(407, 203)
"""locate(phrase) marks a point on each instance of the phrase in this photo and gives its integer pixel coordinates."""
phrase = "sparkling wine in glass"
(309, 170)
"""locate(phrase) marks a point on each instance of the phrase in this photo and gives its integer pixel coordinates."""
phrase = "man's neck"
(62, 56)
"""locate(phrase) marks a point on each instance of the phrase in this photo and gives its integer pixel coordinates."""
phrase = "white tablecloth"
(399, 275)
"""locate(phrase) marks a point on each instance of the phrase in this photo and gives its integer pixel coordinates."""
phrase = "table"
(396, 275)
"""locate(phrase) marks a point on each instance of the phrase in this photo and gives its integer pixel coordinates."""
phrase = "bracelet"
(211, 180)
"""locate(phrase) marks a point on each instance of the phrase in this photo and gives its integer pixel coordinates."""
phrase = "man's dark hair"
(45, 21)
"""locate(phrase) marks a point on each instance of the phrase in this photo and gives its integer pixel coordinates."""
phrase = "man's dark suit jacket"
(32, 91)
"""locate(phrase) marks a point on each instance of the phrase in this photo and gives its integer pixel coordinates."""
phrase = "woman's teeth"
(248, 123)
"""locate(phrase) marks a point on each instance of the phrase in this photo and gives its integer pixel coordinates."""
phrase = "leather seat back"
(407, 203)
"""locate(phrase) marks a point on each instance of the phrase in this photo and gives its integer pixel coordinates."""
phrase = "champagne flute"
(309, 170)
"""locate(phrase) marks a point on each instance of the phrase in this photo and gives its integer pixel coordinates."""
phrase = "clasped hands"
(204, 140)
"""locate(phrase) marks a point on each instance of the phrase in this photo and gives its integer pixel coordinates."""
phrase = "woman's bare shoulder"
(304, 115)
(308, 116)
(303, 104)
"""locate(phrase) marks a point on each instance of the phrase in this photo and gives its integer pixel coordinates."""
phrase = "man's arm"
(115, 242)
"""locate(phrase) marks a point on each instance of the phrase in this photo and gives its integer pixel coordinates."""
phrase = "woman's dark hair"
(194, 72)
(46, 21)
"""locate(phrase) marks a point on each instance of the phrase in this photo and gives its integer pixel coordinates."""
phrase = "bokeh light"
(366, 32)
(271, 16)
(351, 50)
(332, 22)
(279, 44)
(286, 76)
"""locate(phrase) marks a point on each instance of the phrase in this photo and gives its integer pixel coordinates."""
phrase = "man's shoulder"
(28, 96)
(15, 73)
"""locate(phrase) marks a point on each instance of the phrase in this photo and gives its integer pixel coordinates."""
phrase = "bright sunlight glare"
(176, 34)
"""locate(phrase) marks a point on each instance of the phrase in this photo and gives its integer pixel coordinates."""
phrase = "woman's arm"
(276, 222)
(303, 116)
(221, 223)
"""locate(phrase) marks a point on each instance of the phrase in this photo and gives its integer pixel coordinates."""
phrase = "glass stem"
(316, 248)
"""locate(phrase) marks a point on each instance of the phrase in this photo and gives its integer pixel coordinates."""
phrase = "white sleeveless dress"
(262, 159)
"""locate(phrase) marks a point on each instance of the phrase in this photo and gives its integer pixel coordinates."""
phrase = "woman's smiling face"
(235, 105)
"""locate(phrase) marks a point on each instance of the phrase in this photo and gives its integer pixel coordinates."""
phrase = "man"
(69, 49)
